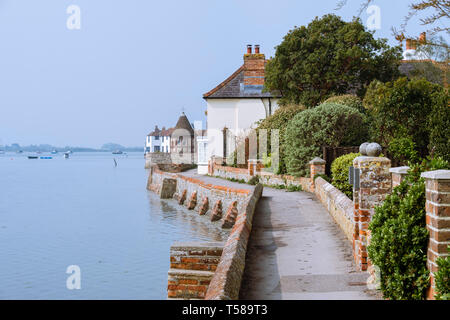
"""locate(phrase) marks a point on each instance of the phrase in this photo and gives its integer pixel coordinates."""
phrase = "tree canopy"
(329, 57)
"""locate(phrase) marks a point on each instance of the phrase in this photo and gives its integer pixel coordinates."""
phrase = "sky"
(134, 64)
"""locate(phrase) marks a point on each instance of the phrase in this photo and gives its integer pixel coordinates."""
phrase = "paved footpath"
(296, 251)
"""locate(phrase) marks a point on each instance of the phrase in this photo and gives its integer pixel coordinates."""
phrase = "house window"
(156, 137)
(156, 148)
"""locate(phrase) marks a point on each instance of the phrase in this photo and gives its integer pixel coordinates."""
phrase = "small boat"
(33, 157)
(117, 152)
(20, 151)
(66, 155)
(54, 151)
(46, 158)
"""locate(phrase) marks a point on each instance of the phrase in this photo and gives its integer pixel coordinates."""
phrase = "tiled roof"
(233, 87)
(163, 133)
(183, 123)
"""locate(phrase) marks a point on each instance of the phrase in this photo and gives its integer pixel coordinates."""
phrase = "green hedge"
(339, 173)
(400, 239)
(329, 124)
(442, 278)
(410, 109)
(278, 121)
(348, 100)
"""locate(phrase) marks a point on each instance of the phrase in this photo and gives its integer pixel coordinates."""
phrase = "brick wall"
(226, 282)
(338, 205)
(398, 174)
(220, 203)
(192, 267)
(266, 178)
(437, 184)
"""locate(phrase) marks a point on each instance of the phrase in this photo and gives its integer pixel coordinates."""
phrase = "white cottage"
(237, 103)
(158, 140)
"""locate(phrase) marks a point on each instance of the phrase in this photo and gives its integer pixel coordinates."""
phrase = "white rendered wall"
(238, 115)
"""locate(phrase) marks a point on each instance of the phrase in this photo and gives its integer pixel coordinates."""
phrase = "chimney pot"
(257, 48)
(423, 38)
(249, 48)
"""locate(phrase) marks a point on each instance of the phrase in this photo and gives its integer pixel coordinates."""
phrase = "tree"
(329, 124)
(437, 10)
(278, 121)
(415, 110)
(329, 57)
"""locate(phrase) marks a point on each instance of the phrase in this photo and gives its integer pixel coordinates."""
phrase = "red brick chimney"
(411, 44)
(423, 38)
(254, 66)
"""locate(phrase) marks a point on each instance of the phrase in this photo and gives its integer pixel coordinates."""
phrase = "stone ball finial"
(363, 148)
(373, 150)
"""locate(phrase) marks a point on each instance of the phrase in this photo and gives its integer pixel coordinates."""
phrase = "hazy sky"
(134, 63)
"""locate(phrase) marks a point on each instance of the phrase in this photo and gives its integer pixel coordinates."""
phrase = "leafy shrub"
(254, 181)
(278, 121)
(400, 238)
(339, 173)
(348, 100)
(403, 149)
(442, 278)
(439, 124)
(415, 109)
(292, 188)
(329, 124)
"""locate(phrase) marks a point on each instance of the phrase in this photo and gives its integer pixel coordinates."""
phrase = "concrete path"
(297, 251)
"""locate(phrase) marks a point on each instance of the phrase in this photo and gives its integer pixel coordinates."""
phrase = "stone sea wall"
(208, 270)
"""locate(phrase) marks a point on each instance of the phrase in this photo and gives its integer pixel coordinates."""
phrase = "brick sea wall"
(192, 267)
(210, 270)
(226, 282)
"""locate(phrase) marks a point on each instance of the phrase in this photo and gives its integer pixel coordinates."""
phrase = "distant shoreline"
(50, 148)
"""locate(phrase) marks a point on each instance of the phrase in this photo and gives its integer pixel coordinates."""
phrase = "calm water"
(84, 211)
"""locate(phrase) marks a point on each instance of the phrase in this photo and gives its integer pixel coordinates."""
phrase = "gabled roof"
(233, 87)
(163, 133)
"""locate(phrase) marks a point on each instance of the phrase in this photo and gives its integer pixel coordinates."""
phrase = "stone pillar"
(225, 140)
(438, 219)
(375, 185)
(316, 167)
(398, 175)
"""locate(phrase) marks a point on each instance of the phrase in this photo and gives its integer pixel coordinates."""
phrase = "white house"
(158, 140)
(237, 103)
